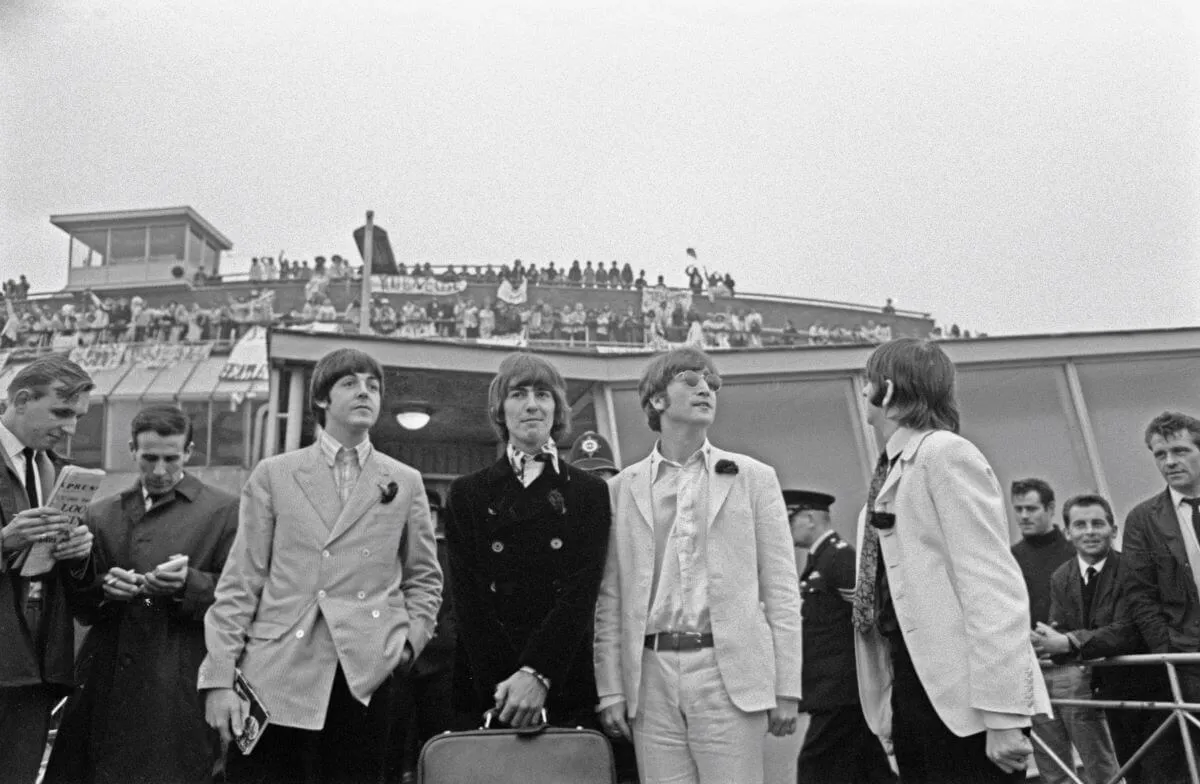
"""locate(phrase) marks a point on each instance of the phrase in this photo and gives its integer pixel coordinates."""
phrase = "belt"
(679, 641)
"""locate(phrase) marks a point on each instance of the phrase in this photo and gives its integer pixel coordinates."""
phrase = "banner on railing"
(102, 356)
(663, 301)
(513, 295)
(515, 340)
(248, 359)
(407, 284)
(161, 355)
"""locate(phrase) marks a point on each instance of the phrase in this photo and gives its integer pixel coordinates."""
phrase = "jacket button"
(492, 587)
(366, 552)
(556, 543)
(497, 547)
(362, 594)
(374, 613)
(324, 553)
(321, 594)
(299, 633)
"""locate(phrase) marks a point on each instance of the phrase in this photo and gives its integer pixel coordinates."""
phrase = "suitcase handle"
(536, 729)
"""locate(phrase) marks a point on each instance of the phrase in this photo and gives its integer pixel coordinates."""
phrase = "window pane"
(195, 250)
(128, 245)
(88, 248)
(197, 412)
(166, 243)
(87, 445)
(1122, 397)
(1022, 420)
(210, 258)
(228, 434)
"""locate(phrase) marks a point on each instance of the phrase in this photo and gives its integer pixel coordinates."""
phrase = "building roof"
(85, 220)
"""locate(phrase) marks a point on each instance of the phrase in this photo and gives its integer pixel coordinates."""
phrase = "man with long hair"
(946, 669)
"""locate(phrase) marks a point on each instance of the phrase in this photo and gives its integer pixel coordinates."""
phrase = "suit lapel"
(718, 487)
(366, 493)
(1075, 593)
(1168, 525)
(640, 481)
(1104, 586)
(315, 479)
(907, 455)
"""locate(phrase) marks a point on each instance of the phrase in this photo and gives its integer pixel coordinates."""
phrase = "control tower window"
(128, 246)
(88, 248)
(166, 243)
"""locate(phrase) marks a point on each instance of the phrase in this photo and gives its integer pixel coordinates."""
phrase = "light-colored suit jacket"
(309, 584)
(753, 590)
(959, 596)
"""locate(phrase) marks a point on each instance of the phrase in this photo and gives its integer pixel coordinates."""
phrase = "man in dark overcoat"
(526, 539)
(138, 716)
(45, 400)
(839, 747)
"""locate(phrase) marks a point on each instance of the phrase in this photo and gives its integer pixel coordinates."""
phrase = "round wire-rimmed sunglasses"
(693, 377)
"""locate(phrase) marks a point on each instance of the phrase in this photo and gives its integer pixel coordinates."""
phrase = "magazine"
(257, 715)
(72, 493)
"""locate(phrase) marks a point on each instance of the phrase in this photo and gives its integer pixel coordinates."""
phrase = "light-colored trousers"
(687, 730)
(1085, 728)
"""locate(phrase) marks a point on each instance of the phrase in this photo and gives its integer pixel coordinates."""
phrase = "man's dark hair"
(40, 375)
(335, 365)
(659, 373)
(1169, 424)
(163, 419)
(1086, 499)
(524, 369)
(1033, 485)
(922, 379)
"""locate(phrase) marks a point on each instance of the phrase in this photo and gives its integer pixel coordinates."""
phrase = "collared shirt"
(15, 451)
(679, 494)
(345, 472)
(1191, 546)
(525, 467)
(1084, 566)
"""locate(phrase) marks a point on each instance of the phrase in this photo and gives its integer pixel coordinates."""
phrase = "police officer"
(839, 747)
(592, 452)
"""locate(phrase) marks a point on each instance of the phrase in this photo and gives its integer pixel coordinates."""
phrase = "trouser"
(687, 729)
(24, 725)
(839, 748)
(351, 748)
(927, 752)
(1085, 728)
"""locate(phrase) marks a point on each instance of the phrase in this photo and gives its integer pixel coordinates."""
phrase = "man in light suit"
(698, 646)
(45, 400)
(1162, 553)
(332, 584)
(946, 670)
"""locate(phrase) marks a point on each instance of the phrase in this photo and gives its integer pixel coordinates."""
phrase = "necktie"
(347, 471)
(31, 488)
(1089, 593)
(864, 591)
(1195, 504)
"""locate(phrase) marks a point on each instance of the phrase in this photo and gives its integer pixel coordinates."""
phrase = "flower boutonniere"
(557, 501)
(726, 467)
(388, 492)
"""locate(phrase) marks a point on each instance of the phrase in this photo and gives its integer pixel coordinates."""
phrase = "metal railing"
(1180, 712)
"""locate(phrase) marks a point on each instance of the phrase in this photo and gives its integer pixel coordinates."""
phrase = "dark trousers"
(839, 748)
(1165, 762)
(422, 706)
(927, 752)
(351, 749)
(24, 724)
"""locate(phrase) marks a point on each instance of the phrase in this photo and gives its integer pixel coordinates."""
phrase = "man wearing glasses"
(698, 620)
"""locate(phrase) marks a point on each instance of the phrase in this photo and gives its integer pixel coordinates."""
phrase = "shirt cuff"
(608, 700)
(1005, 721)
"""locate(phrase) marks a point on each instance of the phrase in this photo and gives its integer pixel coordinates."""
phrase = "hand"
(520, 699)
(1008, 749)
(166, 582)
(615, 722)
(225, 713)
(43, 524)
(76, 547)
(781, 720)
(1048, 641)
(121, 585)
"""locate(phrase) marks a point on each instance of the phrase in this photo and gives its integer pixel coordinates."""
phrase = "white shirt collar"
(12, 447)
(330, 447)
(1098, 566)
(820, 539)
(515, 453)
(899, 440)
(657, 458)
(1177, 499)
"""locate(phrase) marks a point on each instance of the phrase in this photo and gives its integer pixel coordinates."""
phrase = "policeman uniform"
(839, 747)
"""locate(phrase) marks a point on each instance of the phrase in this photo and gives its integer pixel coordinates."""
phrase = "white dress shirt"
(1191, 546)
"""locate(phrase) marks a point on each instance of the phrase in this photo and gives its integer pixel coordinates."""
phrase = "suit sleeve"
(86, 596)
(995, 605)
(778, 582)
(240, 585)
(606, 649)
(490, 654)
(1118, 637)
(1145, 602)
(421, 579)
(554, 645)
(199, 590)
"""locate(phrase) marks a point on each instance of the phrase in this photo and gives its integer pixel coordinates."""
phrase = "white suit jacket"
(753, 590)
(369, 570)
(959, 596)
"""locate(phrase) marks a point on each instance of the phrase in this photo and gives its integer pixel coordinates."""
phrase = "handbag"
(541, 754)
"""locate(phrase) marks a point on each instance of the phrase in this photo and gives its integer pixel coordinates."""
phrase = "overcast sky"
(1009, 166)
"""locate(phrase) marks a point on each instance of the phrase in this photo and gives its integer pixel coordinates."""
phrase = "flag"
(691, 252)
(382, 260)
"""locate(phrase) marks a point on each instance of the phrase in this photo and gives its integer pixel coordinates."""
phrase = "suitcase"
(532, 755)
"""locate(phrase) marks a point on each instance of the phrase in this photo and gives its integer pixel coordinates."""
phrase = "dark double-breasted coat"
(137, 716)
(525, 568)
(829, 674)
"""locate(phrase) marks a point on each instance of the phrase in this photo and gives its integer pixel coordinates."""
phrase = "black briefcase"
(541, 754)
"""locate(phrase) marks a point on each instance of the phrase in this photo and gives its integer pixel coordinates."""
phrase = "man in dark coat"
(839, 747)
(527, 538)
(160, 547)
(45, 400)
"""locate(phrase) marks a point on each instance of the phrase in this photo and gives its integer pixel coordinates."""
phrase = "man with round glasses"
(698, 621)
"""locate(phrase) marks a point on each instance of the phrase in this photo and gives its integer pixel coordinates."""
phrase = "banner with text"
(103, 356)
(663, 301)
(407, 284)
(161, 355)
(248, 359)
(513, 295)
